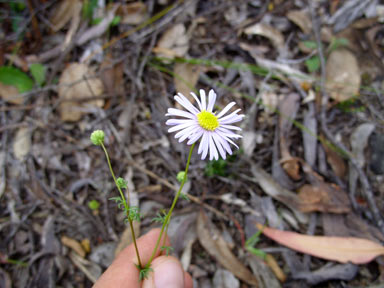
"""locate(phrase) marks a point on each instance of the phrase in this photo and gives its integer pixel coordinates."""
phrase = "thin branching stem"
(168, 217)
(126, 205)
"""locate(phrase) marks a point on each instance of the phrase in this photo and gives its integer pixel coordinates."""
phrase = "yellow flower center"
(208, 120)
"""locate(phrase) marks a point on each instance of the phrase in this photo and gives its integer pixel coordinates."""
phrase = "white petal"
(195, 137)
(186, 104)
(227, 139)
(212, 148)
(178, 121)
(205, 147)
(231, 127)
(211, 100)
(226, 109)
(197, 100)
(179, 127)
(230, 115)
(228, 133)
(218, 144)
(181, 113)
(225, 144)
(203, 142)
(232, 119)
(187, 133)
(203, 99)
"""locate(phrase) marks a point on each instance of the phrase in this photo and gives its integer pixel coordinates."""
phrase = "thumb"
(167, 273)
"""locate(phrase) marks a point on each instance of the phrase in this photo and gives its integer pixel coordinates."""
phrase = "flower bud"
(97, 137)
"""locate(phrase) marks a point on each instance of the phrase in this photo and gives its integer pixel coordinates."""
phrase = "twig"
(363, 178)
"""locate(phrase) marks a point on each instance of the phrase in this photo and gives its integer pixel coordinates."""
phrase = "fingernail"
(169, 274)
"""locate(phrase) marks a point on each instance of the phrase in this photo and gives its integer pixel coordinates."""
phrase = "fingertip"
(188, 282)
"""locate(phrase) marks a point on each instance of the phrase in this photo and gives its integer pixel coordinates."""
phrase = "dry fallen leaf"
(288, 108)
(173, 43)
(269, 32)
(323, 197)
(63, 14)
(76, 83)
(343, 75)
(10, 94)
(185, 78)
(215, 245)
(133, 13)
(301, 19)
(22, 143)
(340, 249)
(335, 161)
(74, 245)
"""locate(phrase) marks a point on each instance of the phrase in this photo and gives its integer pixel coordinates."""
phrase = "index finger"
(123, 272)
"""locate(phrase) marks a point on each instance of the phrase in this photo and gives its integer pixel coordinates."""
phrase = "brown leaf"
(22, 143)
(173, 43)
(216, 246)
(74, 245)
(133, 13)
(75, 83)
(10, 94)
(63, 13)
(335, 161)
(301, 19)
(288, 108)
(185, 78)
(323, 197)
(267, 31)
(340, 249)
(343, 75)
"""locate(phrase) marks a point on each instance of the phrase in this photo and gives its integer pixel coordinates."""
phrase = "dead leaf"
(63, 13)
(301, 19)
(112, 76)
(74, 245)
(323, 197)
(335, 161)
(185, 78)
(273, 189)
(11, 94)
(343, 75)
(212, 241)
(22, 143)
(340, 249)
(173, 43)
(269, 32)
(133, 13)
(126, 237)
(90, 269)
(272, 263)
(225, 279)
(76, 83)
(288, 108)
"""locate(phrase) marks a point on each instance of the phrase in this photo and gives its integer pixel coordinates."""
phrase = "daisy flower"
(214, 130)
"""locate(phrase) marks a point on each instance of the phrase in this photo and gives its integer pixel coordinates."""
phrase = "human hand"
(167, 270)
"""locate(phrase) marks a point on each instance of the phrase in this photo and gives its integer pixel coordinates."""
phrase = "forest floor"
(309, 78)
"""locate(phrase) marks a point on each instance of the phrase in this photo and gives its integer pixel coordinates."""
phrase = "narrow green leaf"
(38, 73)
(15, 77)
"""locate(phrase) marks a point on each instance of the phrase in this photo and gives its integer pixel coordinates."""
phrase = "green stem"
(168, 217)
(126, 205)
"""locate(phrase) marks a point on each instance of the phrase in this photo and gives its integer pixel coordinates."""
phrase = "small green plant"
(251, 242)
(94, 204)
